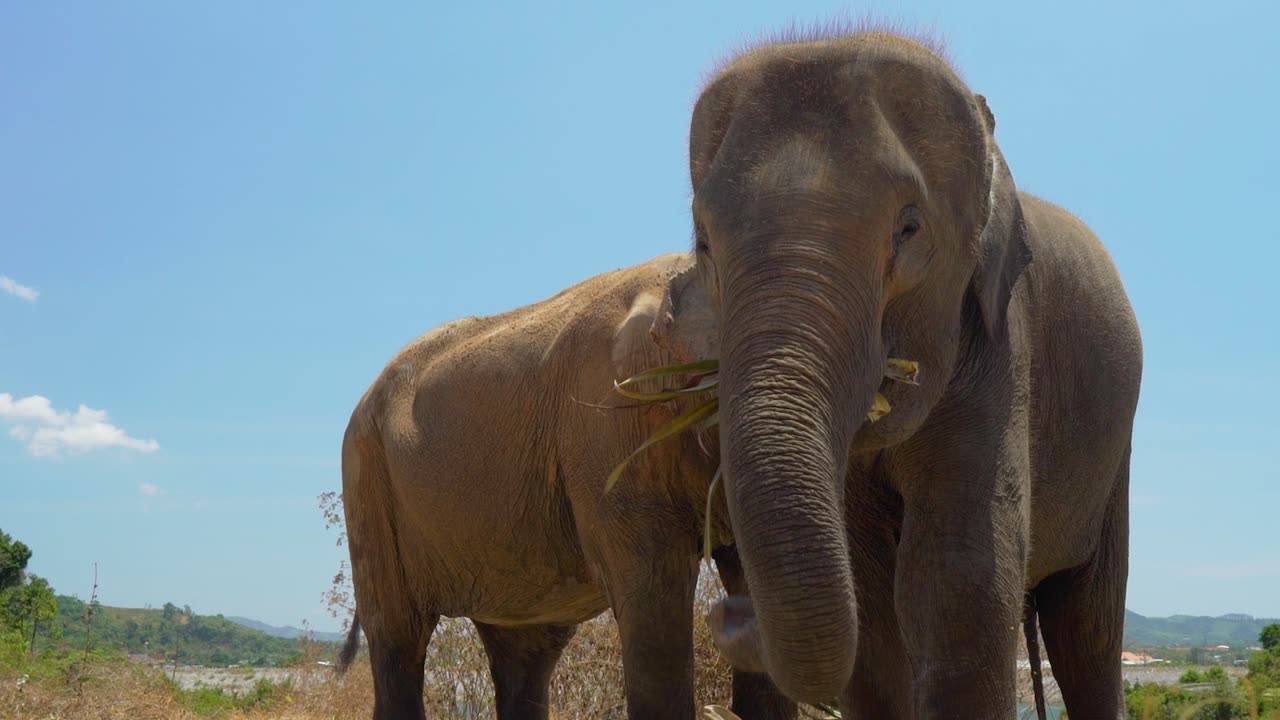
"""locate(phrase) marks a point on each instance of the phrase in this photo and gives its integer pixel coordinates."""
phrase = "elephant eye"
(908, 226)
(700, 233)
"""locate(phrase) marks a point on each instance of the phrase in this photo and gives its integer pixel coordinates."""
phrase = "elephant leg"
(1082, 618)
(521, 660)
(398, 660)
(755, 697)
(651, 585)
(958, 588)
(881, 683)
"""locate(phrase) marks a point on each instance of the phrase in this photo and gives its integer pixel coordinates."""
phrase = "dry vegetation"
(587, 683)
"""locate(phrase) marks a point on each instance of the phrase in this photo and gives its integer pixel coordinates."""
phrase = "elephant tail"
(1033, 654)
(352, 644)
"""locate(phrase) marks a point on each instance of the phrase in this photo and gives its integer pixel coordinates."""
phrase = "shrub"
(1270, 637)
(13, 649)
(210, 702)
(215, 702)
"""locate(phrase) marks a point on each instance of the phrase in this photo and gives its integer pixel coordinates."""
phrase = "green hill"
(165, 634)
(1178, 630)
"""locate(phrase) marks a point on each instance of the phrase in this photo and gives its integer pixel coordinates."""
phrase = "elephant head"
(850, 203)
(670, 324)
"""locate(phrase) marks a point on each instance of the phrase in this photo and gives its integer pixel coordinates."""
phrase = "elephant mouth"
(897, 373)
(695, 380)
(886, 383)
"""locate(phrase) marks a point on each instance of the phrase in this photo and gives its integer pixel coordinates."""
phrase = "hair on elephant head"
(850, 204)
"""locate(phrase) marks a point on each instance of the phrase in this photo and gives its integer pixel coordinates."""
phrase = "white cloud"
(47, 431)
(149, 489)
(12, 287)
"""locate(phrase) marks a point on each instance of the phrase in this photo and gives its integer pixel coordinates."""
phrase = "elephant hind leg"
(522, 660)
(1082, 618)
(398, 661)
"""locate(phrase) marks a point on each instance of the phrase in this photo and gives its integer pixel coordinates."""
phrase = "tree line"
(1255, 696)
(33, 617)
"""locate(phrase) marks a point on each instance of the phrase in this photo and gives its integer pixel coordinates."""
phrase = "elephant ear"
(1003, 249)
(710, 121)
(633, 349)
(666, 325)
(684, 328)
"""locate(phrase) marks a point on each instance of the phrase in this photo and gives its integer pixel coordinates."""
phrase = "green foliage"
(1264, 673)
(170, 633)
(213, 702)
(26, 606)
(26, 600)
(13, 561)
(32, 615)
(13, 649)
(73, 668)
(1190, 676)
(1264, 663)
(63, 665)
(210, 702)
(703, 376)
(57, 668)
(1185, 630)
(1153, 701)
(1270, 637)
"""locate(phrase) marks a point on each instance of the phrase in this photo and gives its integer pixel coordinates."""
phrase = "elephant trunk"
(800, 367)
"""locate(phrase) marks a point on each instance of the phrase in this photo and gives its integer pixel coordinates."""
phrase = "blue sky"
(219, 220)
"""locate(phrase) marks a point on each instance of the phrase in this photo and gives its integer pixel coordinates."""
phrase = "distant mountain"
(1177, 630)
(288, 631)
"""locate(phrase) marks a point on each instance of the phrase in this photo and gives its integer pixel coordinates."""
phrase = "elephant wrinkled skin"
(473, 473)
(851, 203)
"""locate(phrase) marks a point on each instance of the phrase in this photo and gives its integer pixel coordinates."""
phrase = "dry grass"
(105, 690)
(587, 682)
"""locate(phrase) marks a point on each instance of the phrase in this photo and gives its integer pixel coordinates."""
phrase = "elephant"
(473, 474)
(850, 203)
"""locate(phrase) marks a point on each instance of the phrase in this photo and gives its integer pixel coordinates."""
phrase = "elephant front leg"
(958, 586)
(650, 587)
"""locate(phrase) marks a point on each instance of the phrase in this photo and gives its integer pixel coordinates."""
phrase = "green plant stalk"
(705, 416)
(685, 420)
(706, 525)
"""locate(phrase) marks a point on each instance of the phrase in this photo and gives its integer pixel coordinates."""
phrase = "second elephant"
(473, 476)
